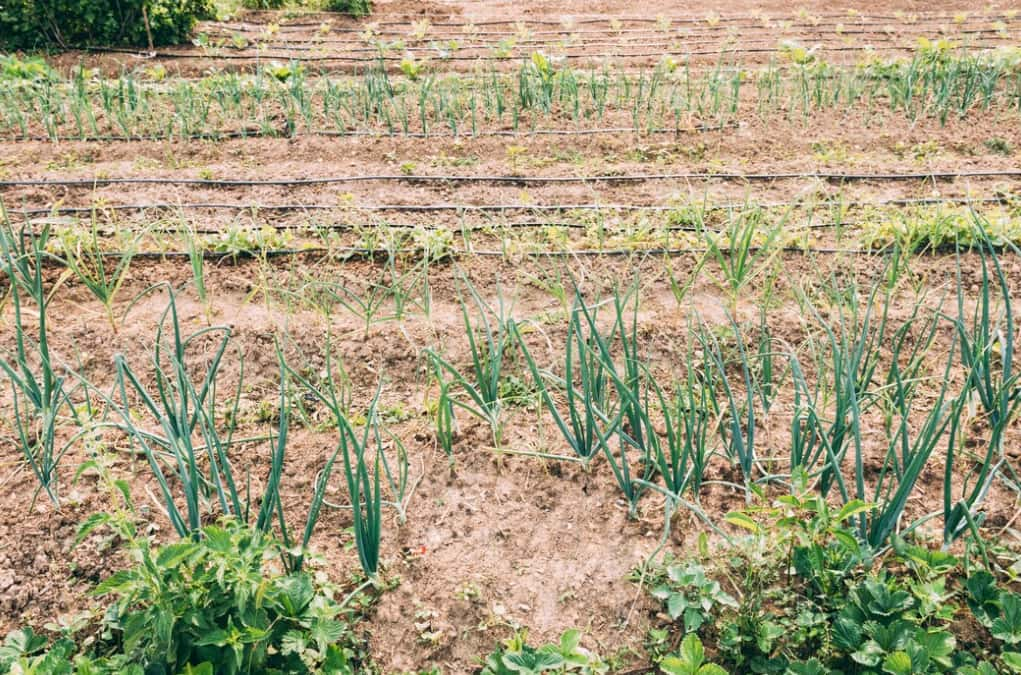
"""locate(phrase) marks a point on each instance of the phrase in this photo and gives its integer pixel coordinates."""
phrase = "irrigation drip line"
(418, 208)
(430, 46)
(232, 135)
(375, 253)
(512, 180)
(632, 34)
(749, 20)
(478, 227)
(453, 58)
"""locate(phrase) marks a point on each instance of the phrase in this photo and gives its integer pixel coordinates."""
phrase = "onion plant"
(483, 384)
(362, 458)
(737, 434)
(853, 349)
(584, 383)
(445, 420)
(196, 259)
(363, 486)
(632, 419)
(285, 101)
(182, 410)
(906, 458)
(38, 393)
(744, 250)
(687, 423)
(986, 337)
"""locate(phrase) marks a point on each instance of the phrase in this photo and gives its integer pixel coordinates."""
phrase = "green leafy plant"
(517, 657)
(690, 660)
(689, 596)
(352, 7)
(209, 604)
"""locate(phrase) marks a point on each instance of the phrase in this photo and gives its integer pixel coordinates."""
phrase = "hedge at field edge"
(35, 24)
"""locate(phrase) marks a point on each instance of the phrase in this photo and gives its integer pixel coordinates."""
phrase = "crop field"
(492, 337)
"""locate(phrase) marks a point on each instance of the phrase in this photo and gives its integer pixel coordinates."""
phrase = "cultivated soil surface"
(493, 540)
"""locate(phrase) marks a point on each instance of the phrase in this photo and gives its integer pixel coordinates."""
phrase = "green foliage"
(214, 600)
(517, 657)
(467, 104)
(491, 341)
(184, 410)
(30, 24)
(809, 598)
(584, 382)
(690, 660)
(28, 68)
(940, 228)
(689, 596)
(364, 466)
(203, 606)
(353, 7)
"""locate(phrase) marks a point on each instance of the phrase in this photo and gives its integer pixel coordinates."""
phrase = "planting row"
(743, 232)
(281, 99)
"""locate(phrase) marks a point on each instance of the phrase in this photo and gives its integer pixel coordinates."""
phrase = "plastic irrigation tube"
(297, 52)
(750, 19)
(821, 28)
(378, 58)
(428, 47)
(513, 180)
(632, 34)
(421, 208)
(234, 135)
(478, 227)
(372, 253)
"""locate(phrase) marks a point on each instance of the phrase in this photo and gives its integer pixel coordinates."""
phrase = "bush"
(354, 7)
(202, 606)
(31, 24)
